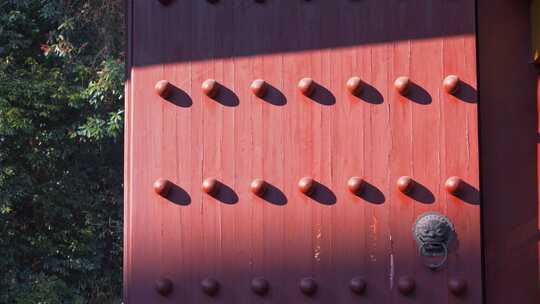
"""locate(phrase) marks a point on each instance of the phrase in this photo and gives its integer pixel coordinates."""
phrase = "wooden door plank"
(208, 253)
(461, 152)
(186, 123)
(320, 115)
(403, 250)
(147, 145)
(270, 146)
(426, 72)
(227, 102)
(347, 155)
(144, 115)
(344, 238)
(247, 214)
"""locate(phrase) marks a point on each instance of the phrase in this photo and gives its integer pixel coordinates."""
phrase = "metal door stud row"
(308, 286)
(307, 185)
(307, 86)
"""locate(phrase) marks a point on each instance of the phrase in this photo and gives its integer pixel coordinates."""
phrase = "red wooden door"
(307, 248)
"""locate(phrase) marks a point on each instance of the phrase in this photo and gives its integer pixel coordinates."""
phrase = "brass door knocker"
(433, 233)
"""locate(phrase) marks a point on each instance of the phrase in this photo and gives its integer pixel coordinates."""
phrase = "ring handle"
(434, 266)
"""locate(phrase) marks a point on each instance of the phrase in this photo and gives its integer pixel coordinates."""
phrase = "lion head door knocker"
(433, 233)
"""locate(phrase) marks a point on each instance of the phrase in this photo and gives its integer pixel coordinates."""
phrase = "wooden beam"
(535, 31)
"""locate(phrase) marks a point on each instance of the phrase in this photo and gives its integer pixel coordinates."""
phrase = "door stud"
(163, 286)
(259, 87)
(451, 84)
(308, 286)
(354, 85)
(163, 88)
(210, 286)
(210, 186)
(306, 86)
(260, 286)
(402, 85)
(210, 88)
(306, 185)
(258, 186)
(405, 184)
(453, 185)
(162, 186)
(355, 185)
(358, 285)
(457, 286)
(406, 285)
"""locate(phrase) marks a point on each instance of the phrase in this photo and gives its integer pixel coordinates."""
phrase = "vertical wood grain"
(271, 155)
(247, 223)
(331, 136)
(205, 249)
(299, 157)
(426, 73)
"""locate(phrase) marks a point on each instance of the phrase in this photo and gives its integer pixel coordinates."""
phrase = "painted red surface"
(380, 135)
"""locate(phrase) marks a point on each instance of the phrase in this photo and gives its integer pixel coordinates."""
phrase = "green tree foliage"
(61, 120)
